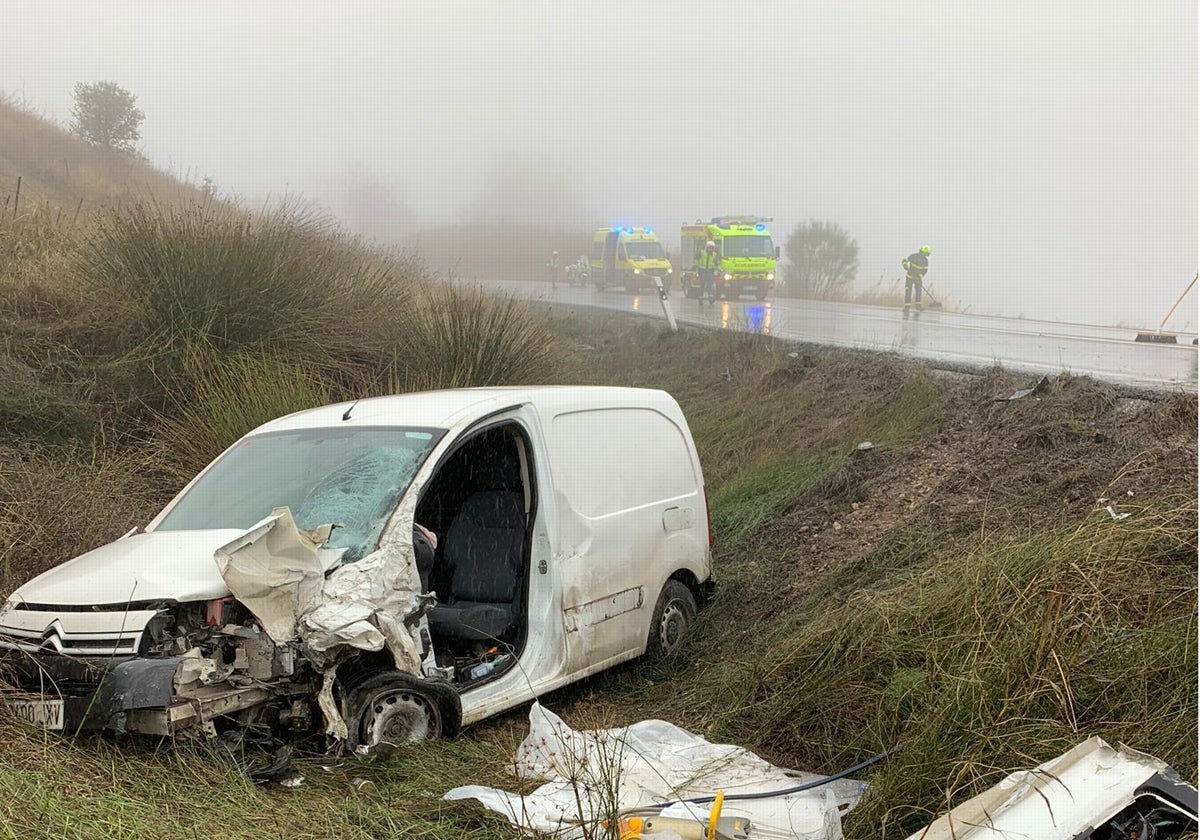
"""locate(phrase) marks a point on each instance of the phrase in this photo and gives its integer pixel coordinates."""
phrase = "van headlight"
(728, 276)
(770, 276)
(670, 270)
(637, 271)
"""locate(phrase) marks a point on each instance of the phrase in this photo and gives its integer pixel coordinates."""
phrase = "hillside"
(960, 588)
(59, 169)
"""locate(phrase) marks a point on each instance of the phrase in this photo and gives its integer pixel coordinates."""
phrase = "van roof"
(443, 409)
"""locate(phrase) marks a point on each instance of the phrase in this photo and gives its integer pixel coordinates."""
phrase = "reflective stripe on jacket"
(916, 264)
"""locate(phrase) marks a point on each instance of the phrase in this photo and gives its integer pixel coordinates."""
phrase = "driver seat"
(485, 549)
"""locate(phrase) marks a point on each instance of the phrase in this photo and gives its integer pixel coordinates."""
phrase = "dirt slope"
(59, 169)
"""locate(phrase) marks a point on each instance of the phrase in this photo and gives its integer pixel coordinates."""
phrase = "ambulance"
(629, 257)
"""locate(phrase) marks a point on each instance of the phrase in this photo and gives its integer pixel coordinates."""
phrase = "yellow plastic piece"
(715, 815)
(630, 828)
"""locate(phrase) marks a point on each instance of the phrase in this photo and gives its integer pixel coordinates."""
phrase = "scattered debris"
(727, 376)
(585, 347)
(292, 782)
(1091, 792)
(1042, 387)
(653, 769)
(1116, 517)
(865, 446)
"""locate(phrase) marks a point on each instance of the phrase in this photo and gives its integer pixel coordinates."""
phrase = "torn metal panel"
(364, 604)
(277, 570)
(281, 574)
(1069, 798)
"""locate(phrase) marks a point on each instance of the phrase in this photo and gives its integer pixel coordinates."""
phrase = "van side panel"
(630, 512)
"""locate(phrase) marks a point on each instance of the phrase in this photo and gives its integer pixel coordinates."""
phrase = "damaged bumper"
(118, 695)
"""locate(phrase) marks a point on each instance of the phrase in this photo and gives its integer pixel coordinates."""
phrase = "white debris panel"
(590, 774)
(1059, 800)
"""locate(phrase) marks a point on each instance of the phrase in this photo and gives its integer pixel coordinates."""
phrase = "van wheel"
(395, 708)
(672, 617)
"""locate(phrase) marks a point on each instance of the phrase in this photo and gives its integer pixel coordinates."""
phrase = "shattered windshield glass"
(349, 477)
(748, 246)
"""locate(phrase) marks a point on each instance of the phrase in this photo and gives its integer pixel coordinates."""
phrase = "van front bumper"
(116, 694)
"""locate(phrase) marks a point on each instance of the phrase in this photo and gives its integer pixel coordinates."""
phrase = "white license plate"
(47, 714)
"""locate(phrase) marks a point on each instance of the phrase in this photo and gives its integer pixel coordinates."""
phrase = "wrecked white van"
(389, 570)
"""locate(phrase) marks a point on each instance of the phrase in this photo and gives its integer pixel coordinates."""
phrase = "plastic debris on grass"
(591, 777)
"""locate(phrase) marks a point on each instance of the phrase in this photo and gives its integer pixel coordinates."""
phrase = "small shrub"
(226, 397)
(465, 337)
(210, 277)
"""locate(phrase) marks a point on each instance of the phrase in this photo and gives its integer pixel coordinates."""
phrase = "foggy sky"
(1046, 151)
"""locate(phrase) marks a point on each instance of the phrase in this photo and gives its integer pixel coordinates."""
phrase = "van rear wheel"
(672, 617)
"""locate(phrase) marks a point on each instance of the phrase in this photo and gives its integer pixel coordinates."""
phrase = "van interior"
(479, 505)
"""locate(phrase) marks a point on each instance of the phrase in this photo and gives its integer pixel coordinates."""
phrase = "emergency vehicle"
(629, 257)
(747, 256)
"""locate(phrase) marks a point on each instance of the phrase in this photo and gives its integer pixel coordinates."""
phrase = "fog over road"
(1107, 353)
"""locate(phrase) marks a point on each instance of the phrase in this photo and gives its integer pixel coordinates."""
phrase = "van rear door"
(629, 513)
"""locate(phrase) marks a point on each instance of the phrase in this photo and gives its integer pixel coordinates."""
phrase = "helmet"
(924, 249)
(710, 244)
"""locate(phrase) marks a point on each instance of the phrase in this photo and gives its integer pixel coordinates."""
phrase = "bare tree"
(822, 259)
(106, 115)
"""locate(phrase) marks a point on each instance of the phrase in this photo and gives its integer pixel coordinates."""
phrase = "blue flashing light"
(647, 230)
(760, 227)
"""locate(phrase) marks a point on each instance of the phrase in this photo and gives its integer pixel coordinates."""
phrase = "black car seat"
(484, 547)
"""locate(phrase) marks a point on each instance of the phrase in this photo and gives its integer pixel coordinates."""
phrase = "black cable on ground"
(770, 794)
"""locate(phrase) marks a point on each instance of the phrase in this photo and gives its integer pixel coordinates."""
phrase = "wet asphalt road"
(1106, 353)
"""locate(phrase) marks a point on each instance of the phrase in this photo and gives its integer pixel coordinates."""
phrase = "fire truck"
(747, 256)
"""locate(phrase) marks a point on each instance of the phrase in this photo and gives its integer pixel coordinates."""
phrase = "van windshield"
(747, 246)
(350, 477)
(645, 250)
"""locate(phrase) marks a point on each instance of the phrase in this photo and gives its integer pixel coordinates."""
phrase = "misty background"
(1047, 152)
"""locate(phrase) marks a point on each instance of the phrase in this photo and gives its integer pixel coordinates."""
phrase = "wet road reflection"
(1107, 353)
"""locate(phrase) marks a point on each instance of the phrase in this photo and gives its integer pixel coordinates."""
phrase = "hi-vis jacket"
(707, 259)
(916, 265)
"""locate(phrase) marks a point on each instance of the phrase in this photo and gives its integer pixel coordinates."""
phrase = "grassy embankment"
(959, 588)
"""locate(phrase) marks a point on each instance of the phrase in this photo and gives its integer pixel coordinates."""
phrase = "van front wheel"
(672, 617)
(395, 708)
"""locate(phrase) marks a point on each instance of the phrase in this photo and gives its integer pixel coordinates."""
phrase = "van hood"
(161, 565)
(650, 264)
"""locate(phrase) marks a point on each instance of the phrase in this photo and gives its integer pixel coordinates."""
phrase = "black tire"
(395, 708)
(672, 617)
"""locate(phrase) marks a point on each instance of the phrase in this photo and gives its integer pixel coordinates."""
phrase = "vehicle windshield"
(645, 250)
(747, 246)
(350, 477)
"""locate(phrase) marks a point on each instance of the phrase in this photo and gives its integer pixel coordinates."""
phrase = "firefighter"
(915, 266)
(553, 266)
(707, 264)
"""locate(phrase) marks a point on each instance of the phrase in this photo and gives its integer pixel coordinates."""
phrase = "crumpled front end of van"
(265, 653)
